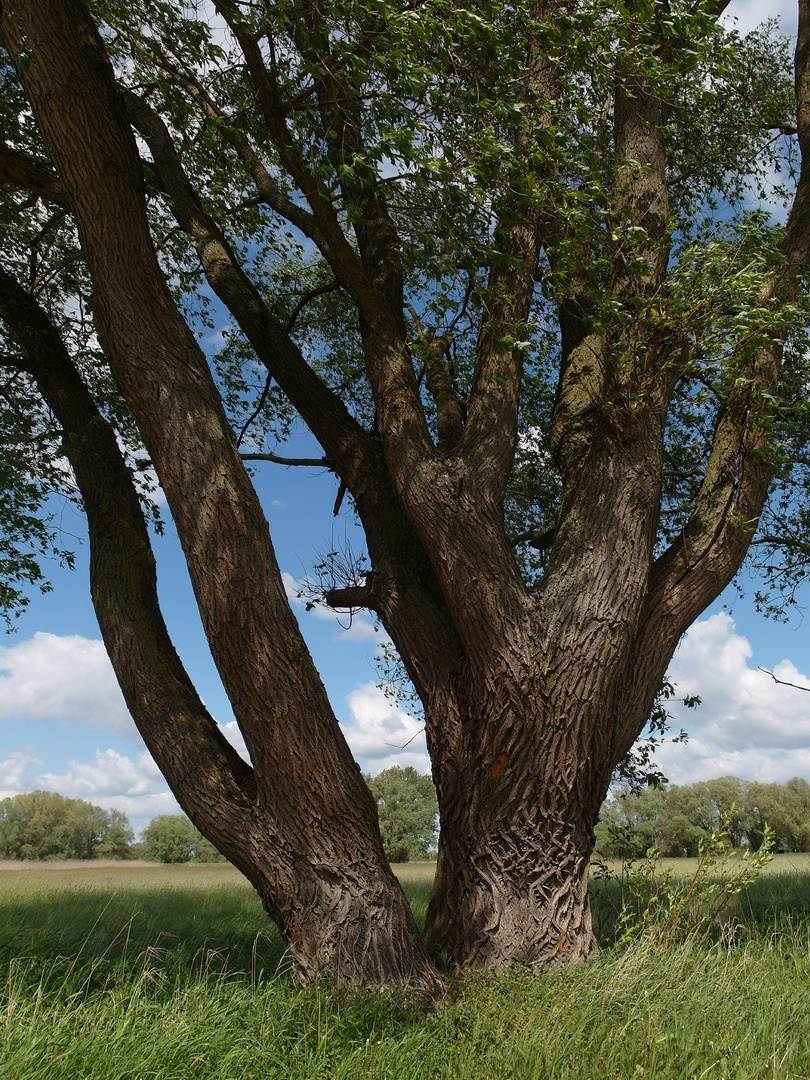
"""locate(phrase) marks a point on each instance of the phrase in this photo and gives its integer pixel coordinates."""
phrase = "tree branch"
(373, 278)
(449, 406)
(313, 462)
(490, 435)
(782, 682)
(340, 108)
(268, 191)
(336, 248)
(796, 242)
(180, 733)
(307, 298)
(32, 174)
(338, 432)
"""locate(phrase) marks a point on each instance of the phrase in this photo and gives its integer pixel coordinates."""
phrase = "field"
(139, 971)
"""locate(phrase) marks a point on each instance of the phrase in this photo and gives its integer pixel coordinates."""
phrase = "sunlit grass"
(138, 972)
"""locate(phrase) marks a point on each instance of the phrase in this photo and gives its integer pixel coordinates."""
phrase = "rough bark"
(327, 883)
(531, 698)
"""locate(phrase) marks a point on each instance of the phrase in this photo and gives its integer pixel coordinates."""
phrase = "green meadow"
(142, 971)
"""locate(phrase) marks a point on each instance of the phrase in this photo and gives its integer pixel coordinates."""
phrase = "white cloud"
(18, 772)
(745, 15)
(234, 736)
(67, 678)
(111, 775)
(131, 784)
(746, 725)
(382, 734)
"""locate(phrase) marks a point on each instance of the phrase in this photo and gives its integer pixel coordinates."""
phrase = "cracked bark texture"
(531, 697)
(310, 842)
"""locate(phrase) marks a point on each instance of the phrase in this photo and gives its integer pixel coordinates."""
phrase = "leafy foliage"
(669, 909)
(408, 812)
(638, 768)
(449, 147)
(45, 825)
(171, 838)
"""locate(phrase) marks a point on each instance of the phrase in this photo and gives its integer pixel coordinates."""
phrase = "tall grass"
(174, 972)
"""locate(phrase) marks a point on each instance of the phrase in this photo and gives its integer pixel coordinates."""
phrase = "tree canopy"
(509, 266)
(45, 825)
(171, 838)
(408, 812)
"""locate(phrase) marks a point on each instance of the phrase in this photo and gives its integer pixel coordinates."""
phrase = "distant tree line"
(45, 825)
(676, 819)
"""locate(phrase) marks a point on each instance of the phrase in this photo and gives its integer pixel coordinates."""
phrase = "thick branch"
(32, 174)
(700, 564)
(449, 406)
(180, 733)
(353, 596)
(313, 462)
(332, 424)
(713, 544)
(490, 437)
(429, 648)
(796, 243)
(641, 186)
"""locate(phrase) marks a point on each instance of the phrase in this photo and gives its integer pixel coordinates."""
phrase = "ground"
(129, 970)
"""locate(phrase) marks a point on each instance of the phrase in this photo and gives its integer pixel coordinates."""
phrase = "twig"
(782, 682)
(408, 743)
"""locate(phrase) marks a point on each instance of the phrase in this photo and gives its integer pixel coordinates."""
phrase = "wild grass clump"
(177, 976)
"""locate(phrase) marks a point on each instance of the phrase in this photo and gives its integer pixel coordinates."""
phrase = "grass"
(779, 897)
(136, 972)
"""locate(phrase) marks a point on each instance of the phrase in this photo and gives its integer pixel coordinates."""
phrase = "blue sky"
(64, 727)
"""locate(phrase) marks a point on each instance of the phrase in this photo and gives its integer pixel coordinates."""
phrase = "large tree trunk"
(512, 875)
(307, 834)
(537, 748)
(531, 698)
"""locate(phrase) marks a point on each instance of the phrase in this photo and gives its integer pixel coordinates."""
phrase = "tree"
(408, 811)
(171, 838)
(630, 822)
(45, 825)
(783, 807)
(498, 260)
(678, 819)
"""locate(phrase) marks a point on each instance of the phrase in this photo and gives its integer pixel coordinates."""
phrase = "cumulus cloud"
(18, 772)
(746, 725)
(67, 678)
(131, 784)
(381, 734)
(745, 15)
(110, 775)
